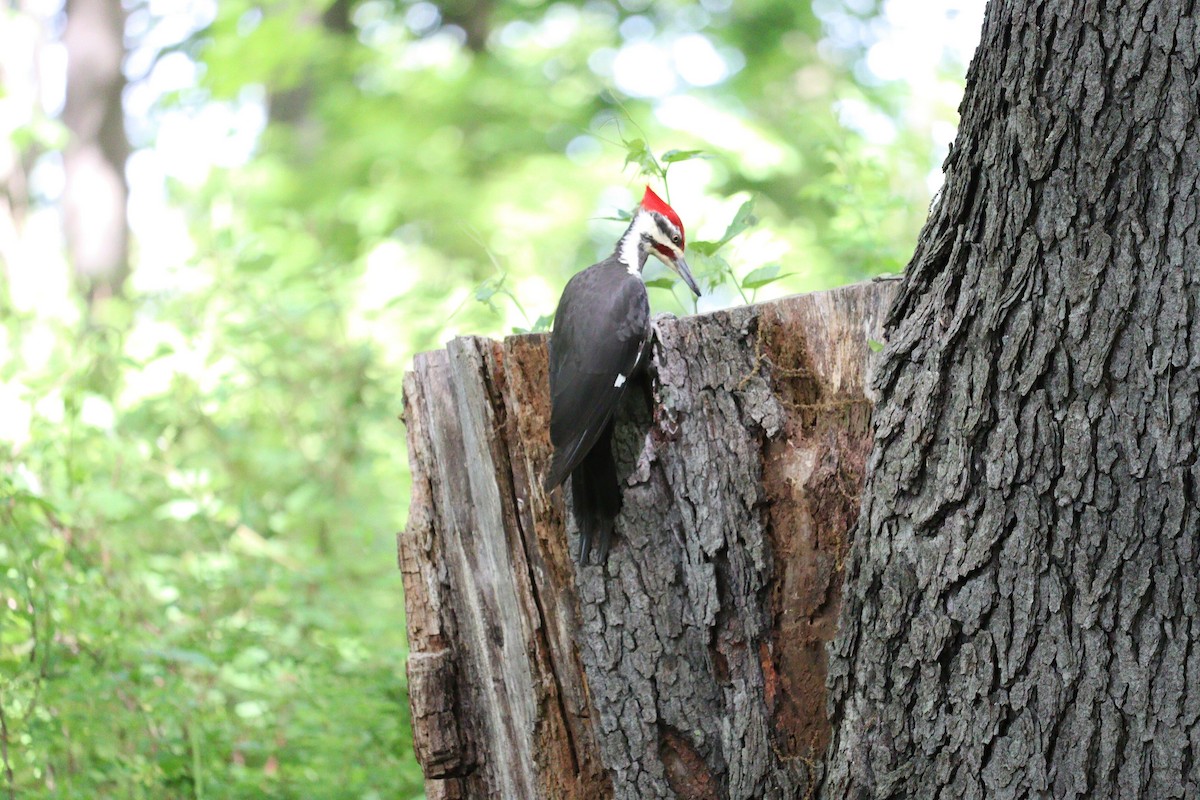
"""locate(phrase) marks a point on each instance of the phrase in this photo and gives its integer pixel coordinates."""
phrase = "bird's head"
(660, 227)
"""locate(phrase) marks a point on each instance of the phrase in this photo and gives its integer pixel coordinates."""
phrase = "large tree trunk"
(95, 195)
(1021, 616)
(693, 664)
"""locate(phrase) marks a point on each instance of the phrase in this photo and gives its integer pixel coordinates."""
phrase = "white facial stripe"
(643, 224)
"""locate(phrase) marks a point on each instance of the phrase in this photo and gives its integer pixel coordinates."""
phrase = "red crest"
(652, 202)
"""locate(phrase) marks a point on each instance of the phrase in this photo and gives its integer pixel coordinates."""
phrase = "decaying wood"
(692, 665)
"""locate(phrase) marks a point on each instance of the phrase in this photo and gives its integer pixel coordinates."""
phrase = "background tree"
(95, 192)
(1020, 615)
(25, 128)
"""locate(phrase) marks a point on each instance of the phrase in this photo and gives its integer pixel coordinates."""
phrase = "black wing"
(602, 322)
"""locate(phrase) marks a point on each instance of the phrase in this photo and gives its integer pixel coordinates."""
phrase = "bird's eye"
(675, 238)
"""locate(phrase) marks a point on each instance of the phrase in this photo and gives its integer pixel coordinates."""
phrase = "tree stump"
(692, 664)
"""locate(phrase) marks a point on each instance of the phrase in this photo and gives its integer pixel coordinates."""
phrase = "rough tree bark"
(693, 664)
(96, 193)
(1021, 616)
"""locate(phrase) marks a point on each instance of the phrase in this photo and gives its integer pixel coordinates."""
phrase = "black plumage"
(600, 330)
(600, 337)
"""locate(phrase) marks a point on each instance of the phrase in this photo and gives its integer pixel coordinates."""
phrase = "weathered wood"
(692, 665)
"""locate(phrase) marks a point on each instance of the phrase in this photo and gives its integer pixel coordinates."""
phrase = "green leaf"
(661, 283)
(675, 156)
(743, 219)
(711, 271)
(874, 345)
(704, 248)
(636, 152)
(484, 292)
(762, 276)
(179, 655)
(540, 325)
(487, 291)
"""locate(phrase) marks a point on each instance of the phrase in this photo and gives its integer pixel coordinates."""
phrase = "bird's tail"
(596, 499)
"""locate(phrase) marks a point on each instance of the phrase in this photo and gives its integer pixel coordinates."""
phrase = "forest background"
(201, 466)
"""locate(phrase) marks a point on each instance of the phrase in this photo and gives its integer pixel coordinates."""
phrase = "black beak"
(685, 272)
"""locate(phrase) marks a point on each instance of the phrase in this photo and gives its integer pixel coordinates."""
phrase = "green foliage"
(708, 265)
(513, 141)
(198, 593)
(763, 276)
(869, 236)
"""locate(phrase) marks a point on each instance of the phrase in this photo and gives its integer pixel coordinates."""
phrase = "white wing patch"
(619, 382)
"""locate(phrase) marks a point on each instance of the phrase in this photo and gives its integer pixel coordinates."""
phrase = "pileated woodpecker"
(601, 336)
